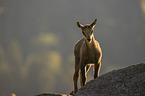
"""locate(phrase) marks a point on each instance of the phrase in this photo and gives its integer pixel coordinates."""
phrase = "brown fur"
(87, 51)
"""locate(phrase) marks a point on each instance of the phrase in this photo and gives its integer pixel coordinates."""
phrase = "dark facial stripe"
(84, 34)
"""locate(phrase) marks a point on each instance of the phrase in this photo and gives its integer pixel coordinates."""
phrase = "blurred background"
(37, 39)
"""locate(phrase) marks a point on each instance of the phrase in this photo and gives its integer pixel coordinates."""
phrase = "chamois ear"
(79, 25)
(94, 23)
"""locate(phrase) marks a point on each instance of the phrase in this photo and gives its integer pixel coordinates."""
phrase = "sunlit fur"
(87, 51)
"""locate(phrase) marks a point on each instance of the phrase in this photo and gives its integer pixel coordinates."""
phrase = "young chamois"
(87, 51)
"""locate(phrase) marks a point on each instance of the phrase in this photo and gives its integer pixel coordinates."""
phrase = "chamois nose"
(89, 40)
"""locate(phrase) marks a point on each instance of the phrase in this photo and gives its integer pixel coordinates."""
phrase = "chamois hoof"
(72, 93)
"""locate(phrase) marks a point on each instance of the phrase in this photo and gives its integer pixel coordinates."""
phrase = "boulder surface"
(129, 81)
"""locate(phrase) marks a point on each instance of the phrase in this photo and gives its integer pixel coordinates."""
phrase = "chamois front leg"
(97, 67)
(75, 78)
(76, 74)
(83, 77)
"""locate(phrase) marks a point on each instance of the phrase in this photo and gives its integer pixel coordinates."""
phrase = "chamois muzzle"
(89, 40)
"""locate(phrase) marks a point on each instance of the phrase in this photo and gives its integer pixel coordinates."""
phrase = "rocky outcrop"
(129, 81)
(52, 94)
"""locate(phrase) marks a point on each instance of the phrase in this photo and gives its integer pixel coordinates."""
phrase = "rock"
(52, 94)
(129, 81)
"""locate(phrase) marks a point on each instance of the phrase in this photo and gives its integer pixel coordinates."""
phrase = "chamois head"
(87, 30)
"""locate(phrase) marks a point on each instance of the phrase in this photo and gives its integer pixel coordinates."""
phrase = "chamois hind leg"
(76, 74)
(88, 68)
(97, 67)
(83, 73)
